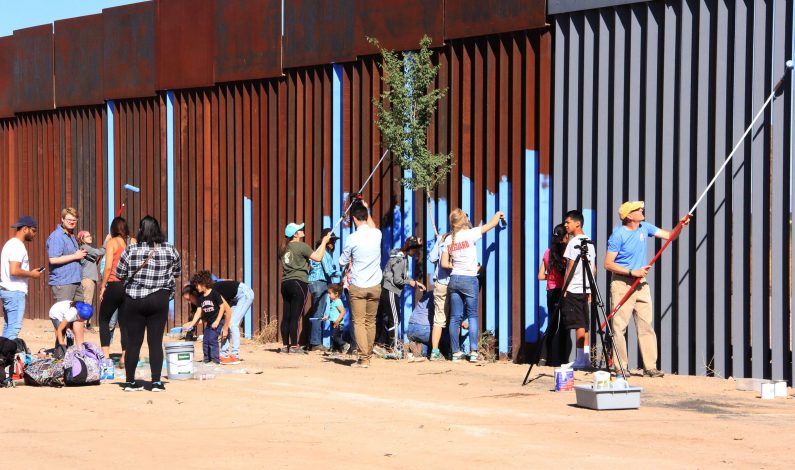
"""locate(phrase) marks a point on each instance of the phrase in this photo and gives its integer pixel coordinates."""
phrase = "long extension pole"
(675, 232)
(361, 190)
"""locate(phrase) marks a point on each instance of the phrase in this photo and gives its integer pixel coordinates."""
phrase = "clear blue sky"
(18, 14)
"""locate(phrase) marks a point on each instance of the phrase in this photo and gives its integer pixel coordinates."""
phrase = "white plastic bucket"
(180, 360)
(601, 380)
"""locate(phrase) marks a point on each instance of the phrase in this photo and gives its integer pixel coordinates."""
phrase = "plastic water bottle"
(108, 370)
(203, 376)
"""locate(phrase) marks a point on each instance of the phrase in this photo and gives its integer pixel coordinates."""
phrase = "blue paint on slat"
(170, 165)
(326, 330)
(110, 164)
(248, 236)
(590, 222)
(407, 297)
(504, 273)
(170, 177)
(544, 233)
(488, 248)
(336, 146)
(467, 203)
(531, 246)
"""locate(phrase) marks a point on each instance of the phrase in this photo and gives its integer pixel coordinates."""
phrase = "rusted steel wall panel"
(79, 61)
(317, 32)
(129, 51)
(469, 18)
(397, 25)
(7, 83)
(34, 69)
(185, 43)
(248, 41)
(62, 152)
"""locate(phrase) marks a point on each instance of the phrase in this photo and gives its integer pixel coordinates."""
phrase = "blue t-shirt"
(423, 311)
(630, 245)
(61, 243)
(332, 309)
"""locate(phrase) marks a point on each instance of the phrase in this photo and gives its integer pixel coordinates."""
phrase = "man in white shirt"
(363, 251)
(14, 274)
(575, 308)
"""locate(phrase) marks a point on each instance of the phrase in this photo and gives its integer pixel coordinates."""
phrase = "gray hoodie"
(396, 271)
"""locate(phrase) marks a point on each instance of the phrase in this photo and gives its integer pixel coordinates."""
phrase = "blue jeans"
(210, 342)
(463, 292)
(319, 291)
(420, 334)
(243, 301)
(13, 312)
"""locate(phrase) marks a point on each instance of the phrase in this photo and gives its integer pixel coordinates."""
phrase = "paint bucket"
(780, 387)
(180, 360)
(564, 379)
(601, 380)
(768, 391)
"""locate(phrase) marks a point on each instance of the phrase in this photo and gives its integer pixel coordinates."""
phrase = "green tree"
(405, 110)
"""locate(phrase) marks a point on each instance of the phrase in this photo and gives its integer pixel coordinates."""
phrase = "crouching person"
(69, 315)
(419, 329)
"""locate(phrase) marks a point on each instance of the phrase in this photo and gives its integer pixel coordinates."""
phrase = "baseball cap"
(84, 310)
(628, 207)
(333, 238)
(25, 221)
(292, 228)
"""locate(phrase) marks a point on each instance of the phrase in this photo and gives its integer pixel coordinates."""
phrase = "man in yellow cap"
(626, 259)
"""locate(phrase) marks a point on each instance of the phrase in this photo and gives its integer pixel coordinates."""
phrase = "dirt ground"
(310, 410)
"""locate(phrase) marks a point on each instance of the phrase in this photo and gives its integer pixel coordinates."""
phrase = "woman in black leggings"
(148, 269)
(111, 289)
(295, 255)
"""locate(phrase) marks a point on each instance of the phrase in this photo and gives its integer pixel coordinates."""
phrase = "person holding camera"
(575, 308)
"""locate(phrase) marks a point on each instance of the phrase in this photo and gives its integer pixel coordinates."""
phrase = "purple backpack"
(82, 364)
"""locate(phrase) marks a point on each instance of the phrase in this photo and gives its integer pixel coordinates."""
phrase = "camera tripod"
(605, 331)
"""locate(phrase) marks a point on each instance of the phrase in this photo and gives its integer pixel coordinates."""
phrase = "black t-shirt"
(228, 290)
(210, 305)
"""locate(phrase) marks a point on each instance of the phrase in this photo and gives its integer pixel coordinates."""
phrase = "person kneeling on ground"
(214, 313)
(335, 312)
(419, 329)
(68, 315)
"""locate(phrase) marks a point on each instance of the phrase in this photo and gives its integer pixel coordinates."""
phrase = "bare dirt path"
(309, 410)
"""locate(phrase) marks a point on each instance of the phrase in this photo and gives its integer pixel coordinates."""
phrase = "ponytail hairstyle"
(458, 221)
(556, 250)
(283, 246)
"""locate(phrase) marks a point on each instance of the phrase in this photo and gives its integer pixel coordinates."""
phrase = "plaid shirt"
(158, 274)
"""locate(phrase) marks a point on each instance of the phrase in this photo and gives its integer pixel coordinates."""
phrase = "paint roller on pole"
(361, 190)
(131, 188)
(675, 232)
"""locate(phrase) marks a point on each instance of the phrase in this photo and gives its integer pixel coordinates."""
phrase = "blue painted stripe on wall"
(504, 268)
(531, 246)
(407, 299)
(336, 149)
(489, 262)
(590, 222)
(111, 164)
(544, 232)
(248, 236)
(170, 165)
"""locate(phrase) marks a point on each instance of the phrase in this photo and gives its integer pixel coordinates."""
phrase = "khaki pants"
(364, 307)
(638, 305)
(441, 305)
(88, 290)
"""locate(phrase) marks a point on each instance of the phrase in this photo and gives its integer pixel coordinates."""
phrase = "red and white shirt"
(463, 253)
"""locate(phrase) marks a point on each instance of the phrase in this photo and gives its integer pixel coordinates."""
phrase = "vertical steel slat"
(779, 232)
(574, 177)
(700, 228)
(759, 166)
(683, 179)
(559, 130)
(721, 277)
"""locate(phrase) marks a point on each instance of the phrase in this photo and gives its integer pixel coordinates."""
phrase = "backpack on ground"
(45, 373)
(82, 365)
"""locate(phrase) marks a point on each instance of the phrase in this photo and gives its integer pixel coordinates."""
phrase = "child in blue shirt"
(335, 312)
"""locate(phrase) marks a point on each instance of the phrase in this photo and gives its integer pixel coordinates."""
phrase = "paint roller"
(127, 187)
